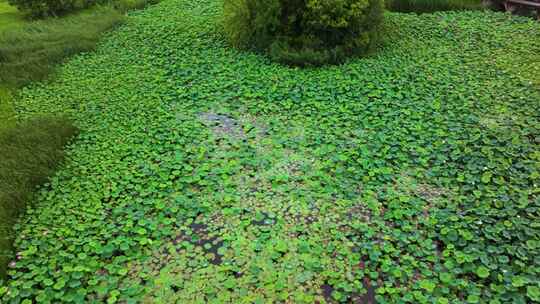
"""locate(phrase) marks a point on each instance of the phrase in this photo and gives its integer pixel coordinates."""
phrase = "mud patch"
(408, 184)
(210, 247)
(254, 126)
(305, 217)
(369, 296)
(359, 212)
(200, 237)
(327, 291)
(222, 125)
(263, 219)
(429, 193)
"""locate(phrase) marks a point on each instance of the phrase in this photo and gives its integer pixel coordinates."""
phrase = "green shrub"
(29, 53)
(6, 108)
(30, 152)
(311, 32)
(127, 5)
(9, 16)
(44, 8)
(428, 6)
(41, 8)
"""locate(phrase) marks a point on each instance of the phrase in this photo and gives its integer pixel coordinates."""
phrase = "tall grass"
(30, 151)
(128, 5)
(51, 8)
(30, 53)
(9, 16)
(428, 6)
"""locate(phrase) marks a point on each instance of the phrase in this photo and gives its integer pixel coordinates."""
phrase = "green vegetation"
(30, 52)
(128, 5)
(428, 6)
(30, 150)
(301, 32)
(206, 174)
(9, 16)
(48, 8)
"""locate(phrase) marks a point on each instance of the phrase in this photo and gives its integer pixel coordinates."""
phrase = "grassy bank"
(31, 150)
(30, 50)
(9, 16)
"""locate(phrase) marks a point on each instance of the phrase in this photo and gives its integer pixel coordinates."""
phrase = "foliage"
(30, 152)
(301, 32)
(128, 5)
(9, 16)
(42, 8)
(30, 52)
(6, 107)
(47, 8)
(428, 6)
(204, 174)
(251, 23)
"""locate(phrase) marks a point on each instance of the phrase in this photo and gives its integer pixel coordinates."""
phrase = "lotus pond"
(203, 174)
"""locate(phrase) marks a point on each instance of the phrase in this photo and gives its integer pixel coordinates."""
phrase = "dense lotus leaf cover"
(204, 174)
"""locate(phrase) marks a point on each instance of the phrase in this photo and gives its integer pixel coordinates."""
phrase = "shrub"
(30, 152)
(9, 16)
(41, 8)
(6, 107)
(44, 8)
(297, 32)
(428, 6)
(29, 53)
(127, 5)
